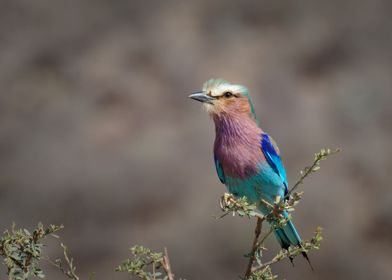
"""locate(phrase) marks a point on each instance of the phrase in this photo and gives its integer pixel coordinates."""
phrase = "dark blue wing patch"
(271, 154)
(219, 170)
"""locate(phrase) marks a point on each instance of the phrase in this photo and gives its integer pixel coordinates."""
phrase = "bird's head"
(222, 98)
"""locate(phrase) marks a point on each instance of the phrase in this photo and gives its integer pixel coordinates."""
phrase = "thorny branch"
(240, 206)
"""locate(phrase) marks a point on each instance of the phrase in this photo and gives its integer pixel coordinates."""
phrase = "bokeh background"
(97, 132)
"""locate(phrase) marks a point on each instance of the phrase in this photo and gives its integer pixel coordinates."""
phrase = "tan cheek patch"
(229, 102)
(233, 104)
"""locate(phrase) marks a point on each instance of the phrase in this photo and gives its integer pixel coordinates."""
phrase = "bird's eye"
(227, 94)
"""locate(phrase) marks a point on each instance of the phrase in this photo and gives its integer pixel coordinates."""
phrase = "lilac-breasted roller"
(247, 159)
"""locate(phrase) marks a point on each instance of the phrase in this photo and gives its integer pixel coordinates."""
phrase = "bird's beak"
(202, 97)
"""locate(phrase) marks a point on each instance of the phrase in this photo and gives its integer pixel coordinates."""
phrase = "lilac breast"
(237, 147)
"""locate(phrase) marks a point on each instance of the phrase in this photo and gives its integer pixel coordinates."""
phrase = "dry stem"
(255, 245)
(166, 265)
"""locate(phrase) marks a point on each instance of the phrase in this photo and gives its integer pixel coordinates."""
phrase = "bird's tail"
(287, 236)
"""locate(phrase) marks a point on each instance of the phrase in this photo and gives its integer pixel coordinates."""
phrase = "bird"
(247, 159)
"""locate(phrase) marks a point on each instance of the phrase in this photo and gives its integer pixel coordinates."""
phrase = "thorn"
(307, 258)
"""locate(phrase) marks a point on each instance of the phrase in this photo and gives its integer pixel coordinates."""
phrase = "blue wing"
(219, 170)
(271, 153)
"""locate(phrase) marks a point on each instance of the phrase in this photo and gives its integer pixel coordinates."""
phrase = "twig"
(166, 265)
(264, 265)
(72, 268)
(255, 245)
(323, 154)
(70, 272)
(303, 176)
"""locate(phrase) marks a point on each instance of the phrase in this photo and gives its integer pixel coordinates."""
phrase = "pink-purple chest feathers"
(237, 146)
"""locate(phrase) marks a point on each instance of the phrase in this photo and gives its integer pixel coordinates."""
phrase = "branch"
(147, 264)
(166, 265)
(255, 246)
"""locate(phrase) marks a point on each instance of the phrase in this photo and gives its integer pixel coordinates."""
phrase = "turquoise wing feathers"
(219, 170)
(271, 153)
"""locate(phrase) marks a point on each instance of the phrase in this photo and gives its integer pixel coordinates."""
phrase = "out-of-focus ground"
(97, 132)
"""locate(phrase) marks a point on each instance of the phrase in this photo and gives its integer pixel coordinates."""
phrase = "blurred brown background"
(97, 132)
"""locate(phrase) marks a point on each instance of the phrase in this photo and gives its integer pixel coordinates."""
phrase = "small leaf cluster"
(22, 250)
(236, 206)
(318, 157)
(145, 264)
(262, 274)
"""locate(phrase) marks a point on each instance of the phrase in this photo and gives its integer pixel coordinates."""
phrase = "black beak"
(202, 97)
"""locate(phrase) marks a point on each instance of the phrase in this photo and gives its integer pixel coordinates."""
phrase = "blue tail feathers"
(287, 235)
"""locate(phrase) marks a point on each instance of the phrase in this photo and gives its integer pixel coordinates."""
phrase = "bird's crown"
(217, 87)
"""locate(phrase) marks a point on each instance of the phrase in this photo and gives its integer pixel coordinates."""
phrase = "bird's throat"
(237, 128)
